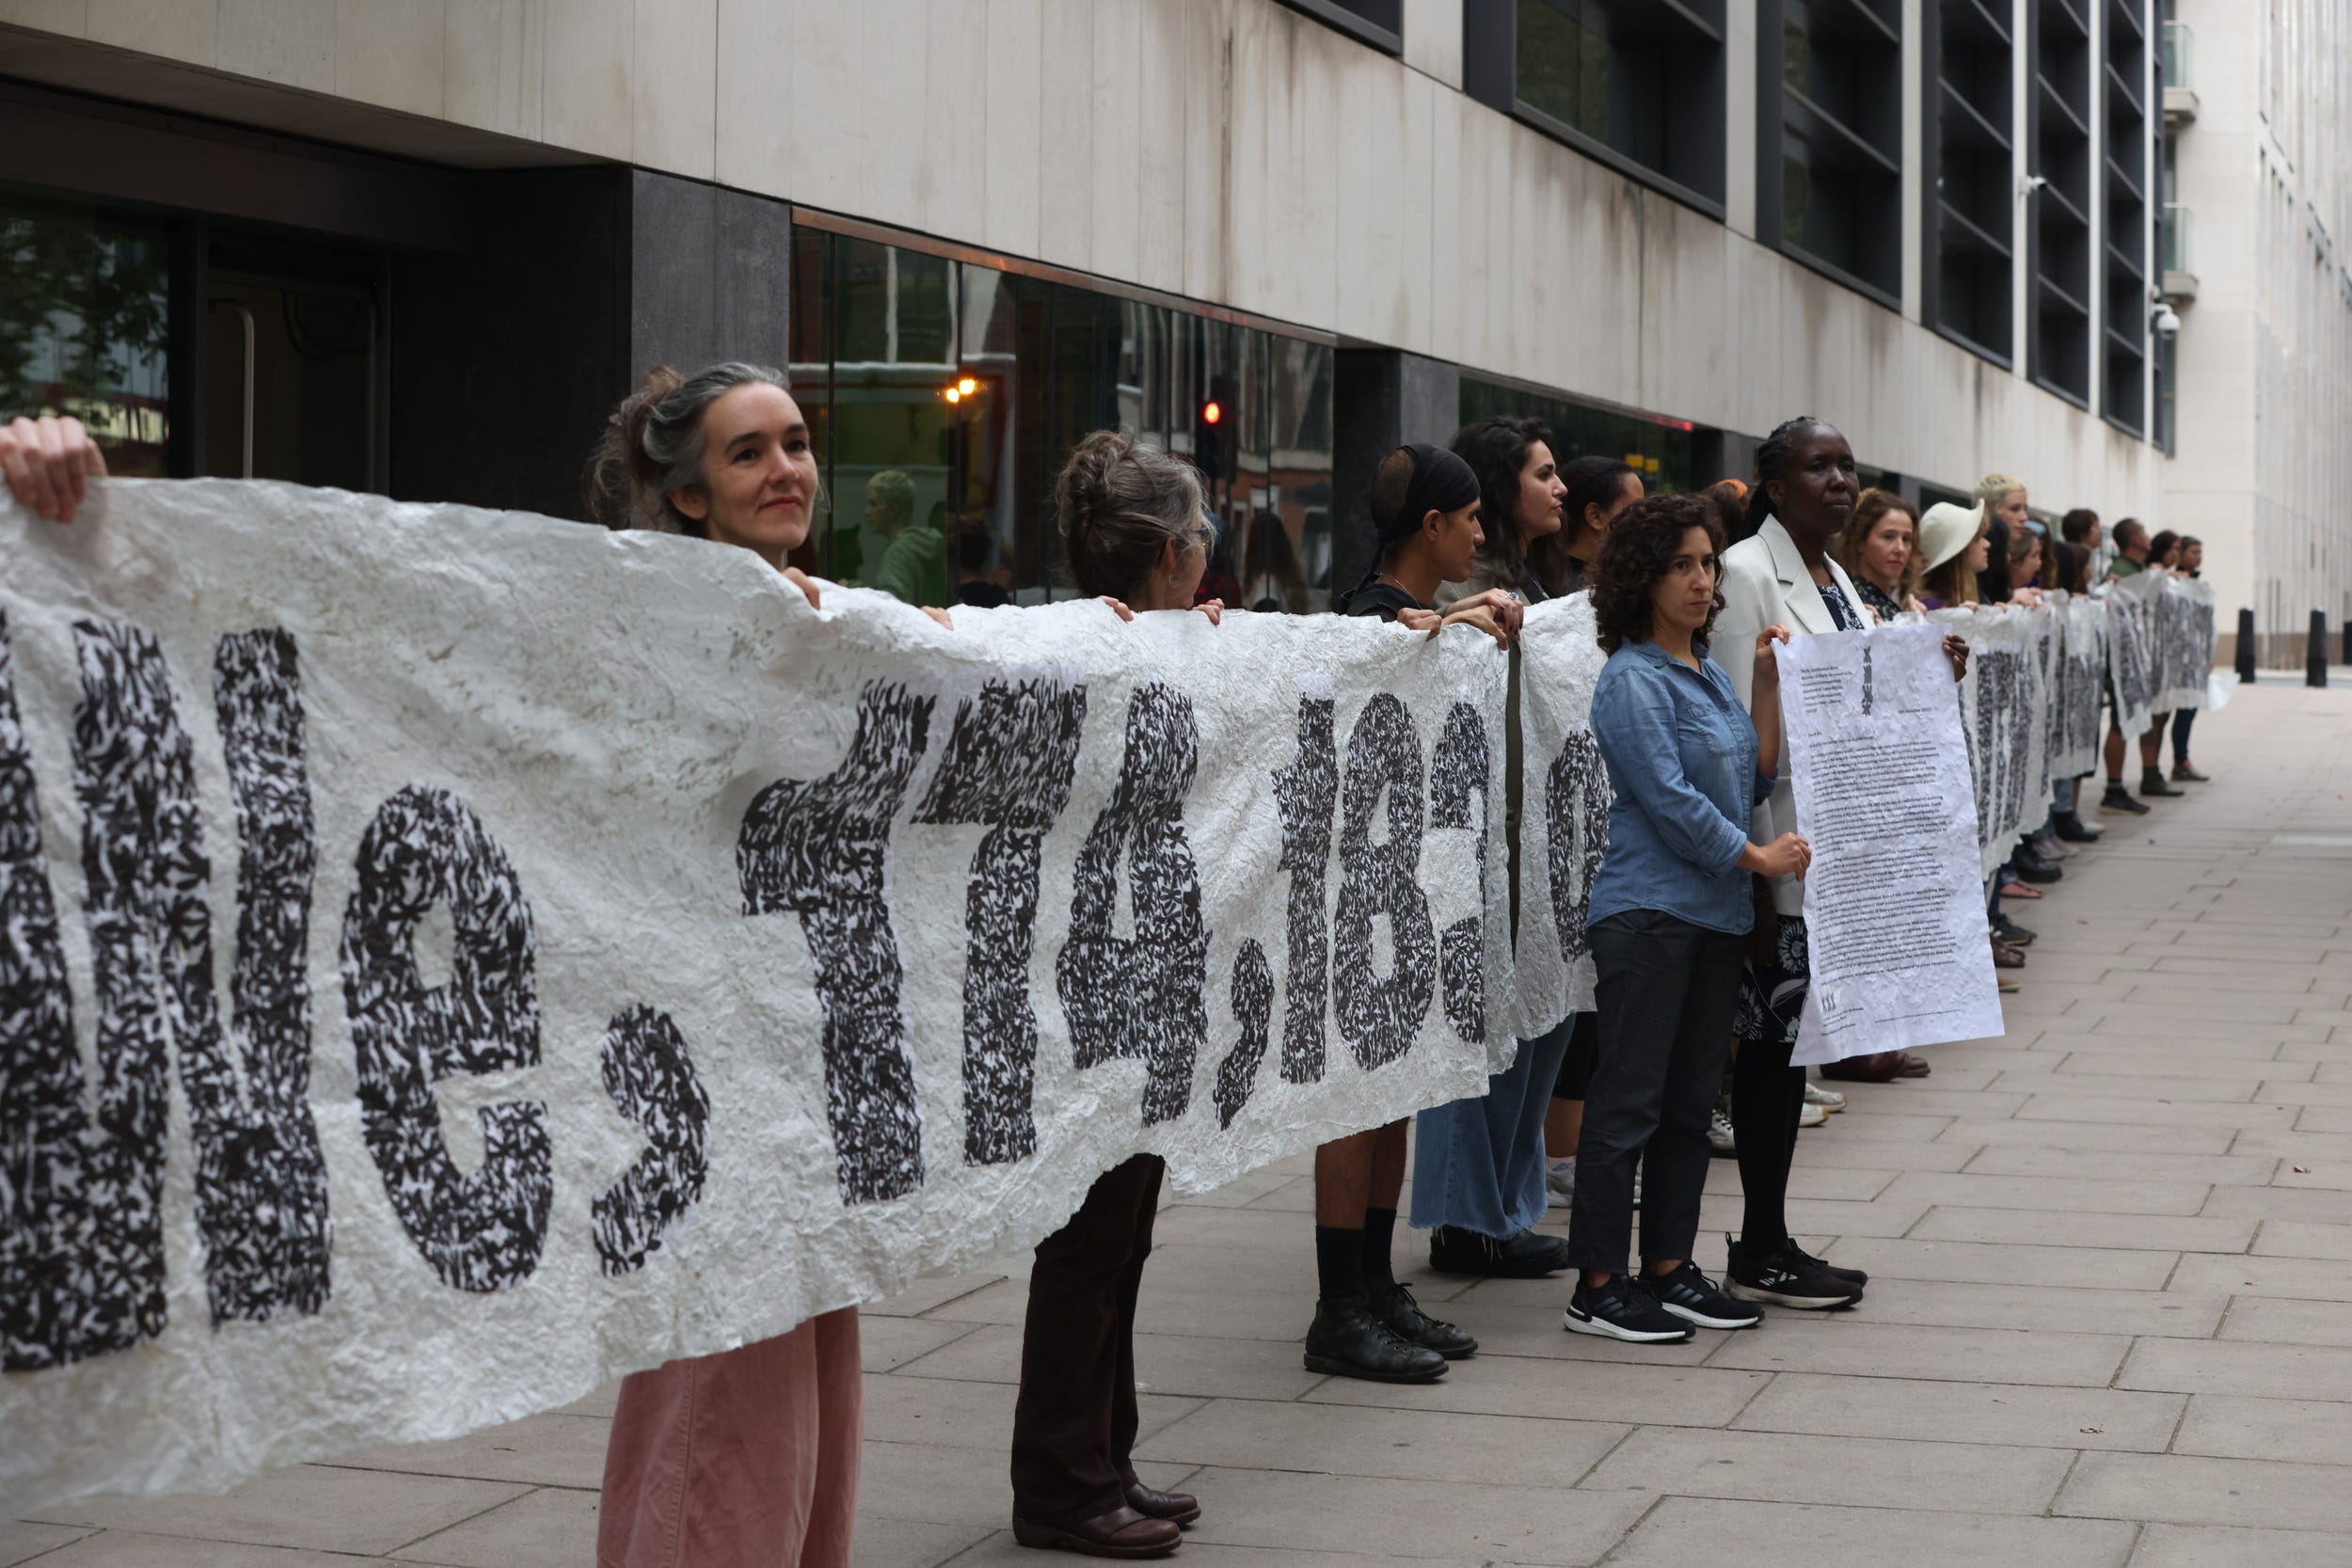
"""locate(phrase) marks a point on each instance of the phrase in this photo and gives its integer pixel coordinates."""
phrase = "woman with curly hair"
(1669, 916)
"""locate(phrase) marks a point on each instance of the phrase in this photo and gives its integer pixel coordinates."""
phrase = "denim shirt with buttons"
(1680, 753)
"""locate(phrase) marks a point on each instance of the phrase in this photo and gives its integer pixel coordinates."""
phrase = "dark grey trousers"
(1666, 991)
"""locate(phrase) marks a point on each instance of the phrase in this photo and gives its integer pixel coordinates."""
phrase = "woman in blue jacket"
(1669, 916)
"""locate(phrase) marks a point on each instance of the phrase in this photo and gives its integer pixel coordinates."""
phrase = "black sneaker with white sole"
(1837, 1271)
(1785, 1278)
(1690, 1295)
(1622, 1309)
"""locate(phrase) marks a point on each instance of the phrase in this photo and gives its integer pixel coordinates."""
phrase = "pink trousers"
(746, 1459)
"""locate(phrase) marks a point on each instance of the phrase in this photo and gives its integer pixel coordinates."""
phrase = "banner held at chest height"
(629, 960)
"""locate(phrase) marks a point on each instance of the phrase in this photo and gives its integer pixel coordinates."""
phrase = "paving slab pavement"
(2108, 1324)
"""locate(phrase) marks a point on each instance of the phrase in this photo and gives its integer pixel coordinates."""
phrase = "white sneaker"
(1828, 1099)
(1719, 1133)
(1559, 1184)
(1812, 1115)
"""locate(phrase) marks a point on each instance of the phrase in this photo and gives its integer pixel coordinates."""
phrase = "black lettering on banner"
(1253, 1008)
(1460, 771)
(1307, 794)
(1008, 763)
(84, 1265)
(1142, 996)
(260, 1179)
(653, 1081)
(2051, 687)
(425, 848)
(818, 848)
(1380, 1016)
(1576, 835)
(81, 1230)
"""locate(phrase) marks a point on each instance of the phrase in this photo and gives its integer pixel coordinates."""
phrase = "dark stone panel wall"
(507, 356)
(1381, 400)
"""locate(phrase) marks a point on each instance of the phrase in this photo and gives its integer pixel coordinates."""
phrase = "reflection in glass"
(84, 309)
(1563, 67)
(946, 395)
(1663, 451)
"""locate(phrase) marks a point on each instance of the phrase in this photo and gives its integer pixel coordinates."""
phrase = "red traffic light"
(1212, 411)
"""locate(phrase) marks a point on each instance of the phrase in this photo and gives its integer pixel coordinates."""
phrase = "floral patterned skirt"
(1772, 997)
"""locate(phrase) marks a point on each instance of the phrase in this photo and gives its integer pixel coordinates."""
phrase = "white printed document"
(1894, 901)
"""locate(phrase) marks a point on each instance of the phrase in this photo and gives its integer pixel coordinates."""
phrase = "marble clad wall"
(1230, 150)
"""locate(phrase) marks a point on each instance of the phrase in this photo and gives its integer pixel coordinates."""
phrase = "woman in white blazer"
(1783, 574)
(1805, 491)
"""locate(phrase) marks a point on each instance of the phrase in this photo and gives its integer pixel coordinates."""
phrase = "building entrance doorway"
(291, 387)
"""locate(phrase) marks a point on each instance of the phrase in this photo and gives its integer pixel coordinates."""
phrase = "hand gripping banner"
(451, 959)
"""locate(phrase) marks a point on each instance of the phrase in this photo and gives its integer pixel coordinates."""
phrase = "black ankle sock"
(1338, 1262)
(1379, 1234)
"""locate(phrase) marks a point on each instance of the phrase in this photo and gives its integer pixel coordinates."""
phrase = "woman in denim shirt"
(1669, 914)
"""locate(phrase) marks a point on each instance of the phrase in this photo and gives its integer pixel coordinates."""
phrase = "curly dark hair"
(1634, 556)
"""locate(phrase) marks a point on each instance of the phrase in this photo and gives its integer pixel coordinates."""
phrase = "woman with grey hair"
(749, 1456)
(1135, 527)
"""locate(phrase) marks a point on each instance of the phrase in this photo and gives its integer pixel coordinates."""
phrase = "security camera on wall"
(2165, 323)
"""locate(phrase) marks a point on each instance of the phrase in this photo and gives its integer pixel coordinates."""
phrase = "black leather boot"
(1394, 1305)
(1346, 1340)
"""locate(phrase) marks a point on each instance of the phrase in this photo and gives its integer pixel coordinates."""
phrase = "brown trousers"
(1075, 1420)
(746, 1459)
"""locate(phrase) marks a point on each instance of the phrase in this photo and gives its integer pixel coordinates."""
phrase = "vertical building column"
(1915, 177)
(2022, 20)
(710, 274)
(1380, 399)
(1739, 97)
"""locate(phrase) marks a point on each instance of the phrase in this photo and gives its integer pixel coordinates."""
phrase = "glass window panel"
(1035, 367)
(1298, 478)
(84, 318)
(1563, 66)
(1664, 453)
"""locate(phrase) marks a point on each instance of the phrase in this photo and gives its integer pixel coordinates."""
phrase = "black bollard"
(2245, 646)
(2315, 665)
(2347, 640)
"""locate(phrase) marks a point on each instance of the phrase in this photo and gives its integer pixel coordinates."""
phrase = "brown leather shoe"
(1876, 1067)
(1177, 1508)
(1910, 1067)
(1121, 1533)
(2006, 957)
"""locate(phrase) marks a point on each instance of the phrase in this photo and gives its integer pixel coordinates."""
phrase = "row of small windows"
(1640, 85)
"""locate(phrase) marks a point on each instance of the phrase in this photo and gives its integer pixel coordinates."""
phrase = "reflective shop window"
(945, 397)
(1640, 82)
(1663, 451)
(84, 328)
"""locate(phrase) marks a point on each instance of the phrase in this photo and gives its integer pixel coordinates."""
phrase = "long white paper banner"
(450, 959)
(629, 960)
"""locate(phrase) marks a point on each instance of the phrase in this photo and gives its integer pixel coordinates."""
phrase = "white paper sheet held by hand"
(1894, 903)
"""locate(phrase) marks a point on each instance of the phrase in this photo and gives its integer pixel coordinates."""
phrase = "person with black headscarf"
(1425, 508)
(1425, 513)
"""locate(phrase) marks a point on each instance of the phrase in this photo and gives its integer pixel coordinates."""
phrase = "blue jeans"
(1479, 1164)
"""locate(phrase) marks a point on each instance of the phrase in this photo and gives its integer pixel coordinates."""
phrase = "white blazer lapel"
(1798, 594)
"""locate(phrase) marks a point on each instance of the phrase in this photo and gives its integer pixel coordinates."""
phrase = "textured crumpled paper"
(1894, 911)
(1564, 811)
(455, 957)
